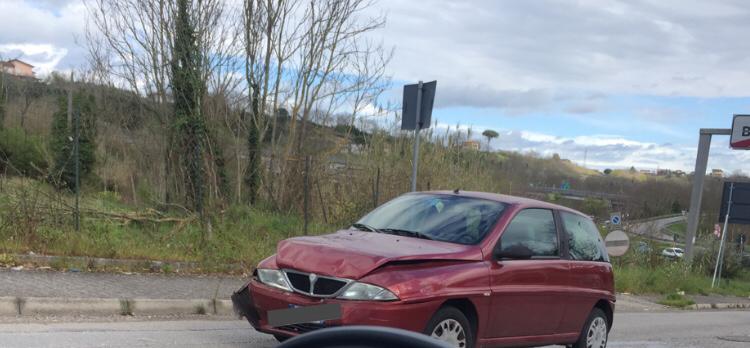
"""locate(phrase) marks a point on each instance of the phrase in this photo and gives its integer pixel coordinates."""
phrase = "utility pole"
(70, 100)
(415, 160)
(585, 155)
(306, 203)
(74, 121)
(77, 154)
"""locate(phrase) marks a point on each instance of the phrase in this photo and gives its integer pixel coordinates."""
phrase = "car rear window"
(585, 242)
(532, 229)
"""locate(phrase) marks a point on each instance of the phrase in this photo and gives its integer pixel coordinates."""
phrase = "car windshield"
(446, 218)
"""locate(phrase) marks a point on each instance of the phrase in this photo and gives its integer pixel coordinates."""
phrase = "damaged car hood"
(353, 254)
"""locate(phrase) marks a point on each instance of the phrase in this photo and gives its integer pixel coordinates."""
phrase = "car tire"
(595, 332)
(450, 325)
(281, 338)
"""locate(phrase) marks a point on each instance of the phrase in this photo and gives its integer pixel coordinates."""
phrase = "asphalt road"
(654, 228)
(651, 330)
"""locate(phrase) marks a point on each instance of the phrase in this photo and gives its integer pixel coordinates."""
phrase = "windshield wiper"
(407, 233)
(364, 227)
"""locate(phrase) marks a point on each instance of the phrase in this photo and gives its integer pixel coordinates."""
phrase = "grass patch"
(200, 310)
(126, 307)
(677, 228)
(240, 234)
(669, 278)
(676, 300)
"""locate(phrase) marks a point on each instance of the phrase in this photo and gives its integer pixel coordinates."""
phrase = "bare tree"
(331, 67)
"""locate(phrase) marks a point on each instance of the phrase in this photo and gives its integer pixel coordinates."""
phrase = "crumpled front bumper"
(255, 300)
(244, 306)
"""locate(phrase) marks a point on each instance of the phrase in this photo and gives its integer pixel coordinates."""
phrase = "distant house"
(679, 173)
(717, 173)
(18, 68)
(471, 145)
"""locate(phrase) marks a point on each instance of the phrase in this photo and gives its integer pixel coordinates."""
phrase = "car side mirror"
(515, 252)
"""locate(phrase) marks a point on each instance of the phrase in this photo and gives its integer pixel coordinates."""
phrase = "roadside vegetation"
(676, 300)
(643, 270)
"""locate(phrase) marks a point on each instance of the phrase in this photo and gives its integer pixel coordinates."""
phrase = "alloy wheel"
(596, 337)
(451, 332)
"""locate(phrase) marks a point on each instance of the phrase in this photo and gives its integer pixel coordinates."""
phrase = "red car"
(471, 269)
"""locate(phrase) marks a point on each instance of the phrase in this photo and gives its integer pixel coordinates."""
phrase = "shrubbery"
(21, 153)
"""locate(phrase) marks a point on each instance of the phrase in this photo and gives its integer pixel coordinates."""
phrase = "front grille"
(302, 328)
(315, 285)
(326, 286)
(299, 281)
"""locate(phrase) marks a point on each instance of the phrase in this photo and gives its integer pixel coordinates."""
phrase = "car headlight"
(274, 278)
(362, 291)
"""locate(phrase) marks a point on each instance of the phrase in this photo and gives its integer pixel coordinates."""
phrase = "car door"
(527, 294)
(590, 271)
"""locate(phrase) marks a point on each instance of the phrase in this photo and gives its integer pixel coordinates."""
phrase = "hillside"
(128, 210)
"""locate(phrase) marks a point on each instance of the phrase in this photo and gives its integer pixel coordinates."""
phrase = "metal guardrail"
(579, 193)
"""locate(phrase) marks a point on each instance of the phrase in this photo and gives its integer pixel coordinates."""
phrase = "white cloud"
(44, 33)
(613, 151)
(43, 57)
(508, 54)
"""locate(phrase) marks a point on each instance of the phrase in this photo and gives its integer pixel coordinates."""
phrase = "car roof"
(507, 199)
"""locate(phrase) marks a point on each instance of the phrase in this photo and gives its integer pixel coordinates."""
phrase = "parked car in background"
(673, 253)
(470, 269)
(643, 248)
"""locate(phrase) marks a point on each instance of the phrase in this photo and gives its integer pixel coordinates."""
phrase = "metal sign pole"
(701, 162)
(720, 256)
(415, 161)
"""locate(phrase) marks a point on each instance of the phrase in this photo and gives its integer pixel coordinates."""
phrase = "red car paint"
(514, 302)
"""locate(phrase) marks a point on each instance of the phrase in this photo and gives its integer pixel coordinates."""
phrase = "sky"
(608, 83)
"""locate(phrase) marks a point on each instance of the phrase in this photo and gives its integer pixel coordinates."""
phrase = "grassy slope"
(240, 234)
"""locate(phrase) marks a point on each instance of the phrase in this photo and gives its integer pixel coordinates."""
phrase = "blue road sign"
(615, 219)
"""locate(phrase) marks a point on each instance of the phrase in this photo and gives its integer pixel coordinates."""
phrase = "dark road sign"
(409, 119)
(740, 212)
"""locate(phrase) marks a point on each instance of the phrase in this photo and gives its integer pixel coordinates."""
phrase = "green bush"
(21, 153)
(705, 260)
(676, 300)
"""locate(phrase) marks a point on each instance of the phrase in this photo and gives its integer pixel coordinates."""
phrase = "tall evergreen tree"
(252, 175)
(187, 88)
(63, 134)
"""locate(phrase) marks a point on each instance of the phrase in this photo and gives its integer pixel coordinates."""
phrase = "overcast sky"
(624, 82)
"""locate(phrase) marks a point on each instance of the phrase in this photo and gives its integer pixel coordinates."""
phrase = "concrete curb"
(708, 306)
(16, 306)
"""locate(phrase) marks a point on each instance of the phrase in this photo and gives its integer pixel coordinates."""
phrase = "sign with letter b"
(740, 132)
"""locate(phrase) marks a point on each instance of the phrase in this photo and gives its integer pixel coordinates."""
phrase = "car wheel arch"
(605, 306)
(468, 308)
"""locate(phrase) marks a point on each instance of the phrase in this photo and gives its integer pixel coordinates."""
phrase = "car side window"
(585, 242)
(533, 229)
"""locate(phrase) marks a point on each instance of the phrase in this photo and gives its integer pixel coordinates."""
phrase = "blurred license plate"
(299, 315)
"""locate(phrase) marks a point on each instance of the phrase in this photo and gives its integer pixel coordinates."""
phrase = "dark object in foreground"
(363, 337)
